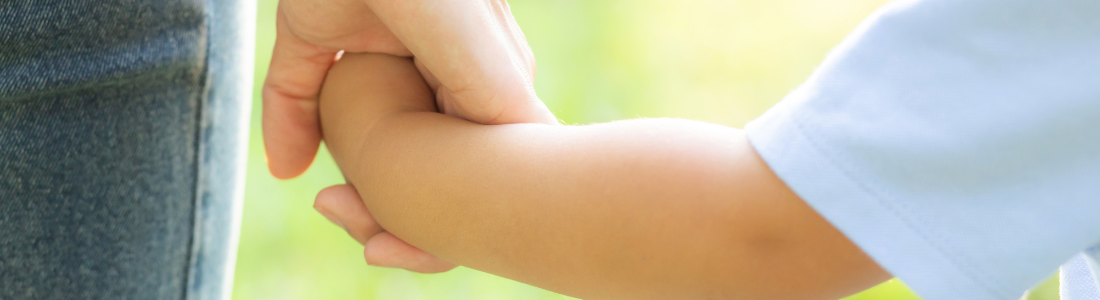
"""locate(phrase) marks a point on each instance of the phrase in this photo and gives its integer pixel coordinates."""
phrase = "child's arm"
(649, 208)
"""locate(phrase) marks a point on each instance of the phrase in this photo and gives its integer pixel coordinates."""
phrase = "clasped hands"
(471, 54)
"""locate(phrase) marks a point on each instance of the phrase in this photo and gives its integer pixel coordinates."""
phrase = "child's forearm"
(651, 208)
(643, 208)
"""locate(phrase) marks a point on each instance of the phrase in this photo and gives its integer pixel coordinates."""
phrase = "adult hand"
(471, 52)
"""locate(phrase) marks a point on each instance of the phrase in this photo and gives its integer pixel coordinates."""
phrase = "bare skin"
(637, 209)
(471, 52)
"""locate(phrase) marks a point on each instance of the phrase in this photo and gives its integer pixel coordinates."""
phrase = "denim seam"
(125, 80)
(196, 213)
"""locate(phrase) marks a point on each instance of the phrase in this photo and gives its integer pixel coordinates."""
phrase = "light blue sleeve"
(1077, 279)
(957, 142)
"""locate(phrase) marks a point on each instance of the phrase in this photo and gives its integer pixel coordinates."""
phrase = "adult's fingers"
(292, 132)
(386, 250)
(340, 24)
(477, 53)
(341, 205)
(443, 101)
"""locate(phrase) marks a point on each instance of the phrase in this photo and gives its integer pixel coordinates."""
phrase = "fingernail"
(331, 218)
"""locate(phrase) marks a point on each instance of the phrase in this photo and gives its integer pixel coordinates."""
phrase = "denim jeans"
(123, 127)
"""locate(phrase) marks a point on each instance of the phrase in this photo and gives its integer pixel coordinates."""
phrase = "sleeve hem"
(880, 228)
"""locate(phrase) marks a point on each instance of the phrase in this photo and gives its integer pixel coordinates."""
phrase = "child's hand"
(362, 89)
(341, 205)
(347, 115)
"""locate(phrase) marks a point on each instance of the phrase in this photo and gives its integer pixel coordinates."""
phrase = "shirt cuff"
(879, 226)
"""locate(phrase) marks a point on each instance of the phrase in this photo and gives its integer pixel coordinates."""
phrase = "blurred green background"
(723, 62)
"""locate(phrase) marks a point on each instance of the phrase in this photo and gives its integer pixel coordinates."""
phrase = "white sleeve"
(957, 142)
